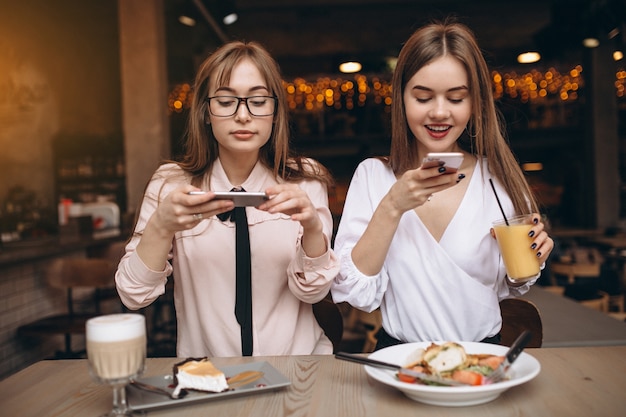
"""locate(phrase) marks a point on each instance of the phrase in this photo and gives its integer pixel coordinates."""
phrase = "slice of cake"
(198, 374)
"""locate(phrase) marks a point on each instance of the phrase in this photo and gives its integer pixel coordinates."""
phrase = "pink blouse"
(285, 282)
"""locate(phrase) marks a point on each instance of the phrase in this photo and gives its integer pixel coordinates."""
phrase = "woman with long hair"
(236, 295)
(415, 239)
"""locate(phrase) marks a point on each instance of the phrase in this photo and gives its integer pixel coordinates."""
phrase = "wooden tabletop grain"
(574, 381)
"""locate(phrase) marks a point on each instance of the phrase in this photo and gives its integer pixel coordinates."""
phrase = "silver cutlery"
(511, 355)
(157, 390)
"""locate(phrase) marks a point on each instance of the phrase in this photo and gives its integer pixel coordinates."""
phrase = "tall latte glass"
(519, 259)
(116, 352)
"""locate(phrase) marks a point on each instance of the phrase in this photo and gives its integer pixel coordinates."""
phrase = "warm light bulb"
(186, 20)
(532, 166)
(591, 42)
(230, 18)
(528, 57)
(618, 55)
(392, 61)
(350, 67)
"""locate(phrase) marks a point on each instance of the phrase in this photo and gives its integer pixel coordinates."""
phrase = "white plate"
(523, 369)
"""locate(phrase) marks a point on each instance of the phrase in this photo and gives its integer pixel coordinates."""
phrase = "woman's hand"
(542, 244)
(415, 186)
(181, 211)
(178, 211)
(293, 201)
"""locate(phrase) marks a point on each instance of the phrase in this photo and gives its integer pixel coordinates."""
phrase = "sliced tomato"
(406, 378)
(491, 361)
(468, 377)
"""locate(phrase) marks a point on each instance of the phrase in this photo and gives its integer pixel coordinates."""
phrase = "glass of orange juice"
(519, 259)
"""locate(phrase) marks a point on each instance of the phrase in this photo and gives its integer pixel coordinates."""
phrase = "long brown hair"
(201, 148)
(486, 138)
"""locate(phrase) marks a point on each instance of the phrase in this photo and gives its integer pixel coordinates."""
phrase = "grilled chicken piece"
(446, 357)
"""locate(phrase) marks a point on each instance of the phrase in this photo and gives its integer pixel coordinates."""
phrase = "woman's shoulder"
(375, 164)
(168, 173)
(169, 168)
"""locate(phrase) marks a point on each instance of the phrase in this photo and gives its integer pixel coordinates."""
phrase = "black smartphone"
(241, 199)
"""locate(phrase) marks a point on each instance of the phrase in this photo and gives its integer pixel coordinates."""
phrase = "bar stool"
(616, 302)
(600, 303)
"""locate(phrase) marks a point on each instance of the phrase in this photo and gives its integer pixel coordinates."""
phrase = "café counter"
(573, 381)
(46, 247)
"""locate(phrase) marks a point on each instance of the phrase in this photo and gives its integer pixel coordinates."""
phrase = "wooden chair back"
(361, 330)
(375, 321)
(575, 270)
(81, 273)
(330, 320)
(518, 315)
(95, 277)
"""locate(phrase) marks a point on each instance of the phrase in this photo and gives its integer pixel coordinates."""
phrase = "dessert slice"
(198, 374)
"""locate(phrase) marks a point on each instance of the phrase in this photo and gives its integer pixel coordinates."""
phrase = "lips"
(438, 131)
(243, 134)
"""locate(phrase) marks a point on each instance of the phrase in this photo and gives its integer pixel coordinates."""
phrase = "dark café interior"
(95, 95)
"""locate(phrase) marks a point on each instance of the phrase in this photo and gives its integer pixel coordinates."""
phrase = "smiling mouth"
(438, 128)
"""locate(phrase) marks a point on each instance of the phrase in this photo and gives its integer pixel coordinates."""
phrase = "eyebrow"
(251, 90)
(453, 89)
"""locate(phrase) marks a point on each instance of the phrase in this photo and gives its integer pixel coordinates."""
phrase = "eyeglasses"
(226, 106)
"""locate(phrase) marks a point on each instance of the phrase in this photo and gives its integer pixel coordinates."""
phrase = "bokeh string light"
(359, 90)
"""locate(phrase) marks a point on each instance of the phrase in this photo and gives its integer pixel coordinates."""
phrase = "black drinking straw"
(498, 200)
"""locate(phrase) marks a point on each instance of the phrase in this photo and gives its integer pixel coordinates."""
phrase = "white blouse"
(428, 290)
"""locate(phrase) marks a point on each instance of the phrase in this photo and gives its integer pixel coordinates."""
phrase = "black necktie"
(243, 292)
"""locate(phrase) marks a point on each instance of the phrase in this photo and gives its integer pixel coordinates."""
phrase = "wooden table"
(584, 381)
(569, 323)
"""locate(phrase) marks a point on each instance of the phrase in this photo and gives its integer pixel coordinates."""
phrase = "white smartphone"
(241, 199)
(451, 160)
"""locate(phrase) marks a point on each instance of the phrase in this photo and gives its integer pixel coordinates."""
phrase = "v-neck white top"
(428, 290)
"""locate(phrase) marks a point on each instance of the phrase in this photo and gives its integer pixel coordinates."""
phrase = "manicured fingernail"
(531, 233)
(442, 169)
(535, 220)
(538, 254)
(533, 246)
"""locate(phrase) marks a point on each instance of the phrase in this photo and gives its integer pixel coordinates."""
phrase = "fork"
(511, 355)
(157, 390)
(386, 365)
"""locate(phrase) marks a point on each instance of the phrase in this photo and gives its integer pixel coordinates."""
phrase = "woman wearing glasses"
(230, 302)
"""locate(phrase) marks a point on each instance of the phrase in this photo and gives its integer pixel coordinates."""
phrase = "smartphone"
(451, 160)
(241, 199)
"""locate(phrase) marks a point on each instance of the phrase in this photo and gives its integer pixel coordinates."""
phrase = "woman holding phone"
(230, 302)
(414, 237)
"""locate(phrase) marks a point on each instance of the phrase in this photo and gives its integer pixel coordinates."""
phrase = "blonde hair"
(485, 133)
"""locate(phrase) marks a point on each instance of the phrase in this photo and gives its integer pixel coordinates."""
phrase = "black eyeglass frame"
(239, 101)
